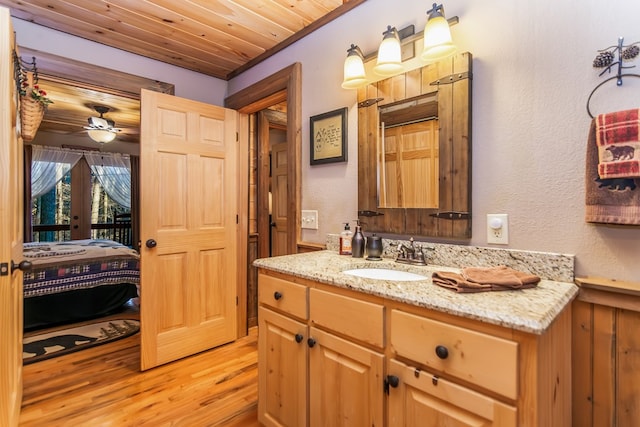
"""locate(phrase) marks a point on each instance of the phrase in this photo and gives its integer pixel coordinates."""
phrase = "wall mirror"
(414, 151)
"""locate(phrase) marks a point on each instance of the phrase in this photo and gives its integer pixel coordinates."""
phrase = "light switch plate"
(310, 220)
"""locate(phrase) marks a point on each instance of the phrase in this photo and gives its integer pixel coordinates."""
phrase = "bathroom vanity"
(337, 349)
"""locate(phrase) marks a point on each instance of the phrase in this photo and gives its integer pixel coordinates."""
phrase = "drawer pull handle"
(311, 342)
(442, 352)
(299, 338)
(277, 295)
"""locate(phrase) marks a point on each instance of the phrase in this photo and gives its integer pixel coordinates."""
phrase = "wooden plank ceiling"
(219, 38)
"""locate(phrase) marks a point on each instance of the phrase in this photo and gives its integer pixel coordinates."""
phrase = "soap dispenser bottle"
(357, 242)
(345, 240)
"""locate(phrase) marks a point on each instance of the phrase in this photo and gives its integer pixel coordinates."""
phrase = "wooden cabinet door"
(424, 400)
(345, 383)
(282, 370)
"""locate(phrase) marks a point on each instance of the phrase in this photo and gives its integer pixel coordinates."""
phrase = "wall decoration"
(328, 136)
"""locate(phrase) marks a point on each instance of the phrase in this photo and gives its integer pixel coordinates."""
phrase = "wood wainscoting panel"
(606, 353)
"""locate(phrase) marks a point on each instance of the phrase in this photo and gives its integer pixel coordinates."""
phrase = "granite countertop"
(528, 310)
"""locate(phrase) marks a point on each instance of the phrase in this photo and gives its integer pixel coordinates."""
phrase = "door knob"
(22, 265)
(151, 243)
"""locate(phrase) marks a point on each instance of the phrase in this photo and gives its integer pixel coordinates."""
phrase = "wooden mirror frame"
(452, 218)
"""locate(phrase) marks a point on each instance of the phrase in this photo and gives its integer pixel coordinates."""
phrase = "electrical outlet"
(498, 229)
(310, 220)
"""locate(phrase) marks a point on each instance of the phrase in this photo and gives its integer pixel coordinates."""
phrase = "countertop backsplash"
(546, 265)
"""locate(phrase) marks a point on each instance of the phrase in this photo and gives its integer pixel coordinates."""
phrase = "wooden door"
(11, 225)
(345, 383)
(189, 214)
(81, 201)
(424, 400)
(410, 165)
(282, 352)
(280, 225)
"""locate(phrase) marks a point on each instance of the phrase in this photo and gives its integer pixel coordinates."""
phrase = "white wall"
(532, 77)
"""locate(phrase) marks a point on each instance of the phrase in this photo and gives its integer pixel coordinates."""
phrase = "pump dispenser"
(357, 242)
(345, 240)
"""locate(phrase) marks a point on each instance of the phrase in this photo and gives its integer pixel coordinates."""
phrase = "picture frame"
(328, 137)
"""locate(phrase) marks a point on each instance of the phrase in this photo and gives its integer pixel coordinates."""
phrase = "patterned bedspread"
(78, 264)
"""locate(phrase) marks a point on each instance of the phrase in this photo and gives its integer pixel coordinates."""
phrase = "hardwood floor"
(103, 386)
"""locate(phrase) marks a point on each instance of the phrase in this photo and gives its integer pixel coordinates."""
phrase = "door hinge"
(452, 78)
(4, 269)
(237, 137)
(237, 300)
(237, 220)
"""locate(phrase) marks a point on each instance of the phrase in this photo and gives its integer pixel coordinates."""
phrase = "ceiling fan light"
(102, 136)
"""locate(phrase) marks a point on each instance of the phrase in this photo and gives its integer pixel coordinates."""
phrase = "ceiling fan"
(101, 129)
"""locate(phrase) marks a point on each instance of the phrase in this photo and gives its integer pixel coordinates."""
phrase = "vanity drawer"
(478, 358)
(284, 295)
(355, 318)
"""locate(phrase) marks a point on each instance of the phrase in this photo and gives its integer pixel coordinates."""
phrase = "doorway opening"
(282, 90)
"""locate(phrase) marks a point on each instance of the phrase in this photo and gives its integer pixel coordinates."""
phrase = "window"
(99, 182)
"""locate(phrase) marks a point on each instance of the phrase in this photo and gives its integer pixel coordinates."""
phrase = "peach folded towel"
(479, 279)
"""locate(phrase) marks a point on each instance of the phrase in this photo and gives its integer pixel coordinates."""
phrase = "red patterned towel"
(618, 141)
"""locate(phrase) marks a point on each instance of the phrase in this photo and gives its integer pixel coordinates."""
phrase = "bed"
(77, 280)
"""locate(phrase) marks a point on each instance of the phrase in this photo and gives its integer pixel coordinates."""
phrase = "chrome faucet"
(411, 254)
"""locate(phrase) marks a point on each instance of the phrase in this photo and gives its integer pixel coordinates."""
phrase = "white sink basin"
(385, 274)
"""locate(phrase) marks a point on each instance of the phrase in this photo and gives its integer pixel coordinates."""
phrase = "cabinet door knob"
(390, 381)
(311, 342)
(393, 380)
(299, 338)
(442, 352)
(277, 295)
(151, 243)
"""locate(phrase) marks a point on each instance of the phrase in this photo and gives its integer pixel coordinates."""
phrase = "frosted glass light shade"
(389, 60)
(354, 73)
(438, 43)
(101, 135)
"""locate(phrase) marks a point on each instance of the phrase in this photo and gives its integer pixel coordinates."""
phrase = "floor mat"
(64, 341)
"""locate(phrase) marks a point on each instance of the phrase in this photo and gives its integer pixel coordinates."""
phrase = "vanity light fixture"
(389, 60)
(354, 74)
(438, 43)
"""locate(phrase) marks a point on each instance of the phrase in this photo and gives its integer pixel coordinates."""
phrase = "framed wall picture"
(328, 136)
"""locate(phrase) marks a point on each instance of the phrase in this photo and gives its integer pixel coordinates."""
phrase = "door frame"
(285, 84)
